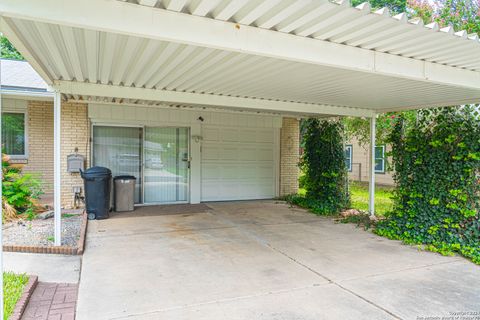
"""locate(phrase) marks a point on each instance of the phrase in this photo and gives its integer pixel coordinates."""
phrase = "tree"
(460, 14)
(395, 6)
(8, 51)
(359, 128)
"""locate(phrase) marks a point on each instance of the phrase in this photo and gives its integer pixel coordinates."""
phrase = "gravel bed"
(40, 232)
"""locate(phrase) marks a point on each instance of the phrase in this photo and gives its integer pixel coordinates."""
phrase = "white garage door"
(238, 163)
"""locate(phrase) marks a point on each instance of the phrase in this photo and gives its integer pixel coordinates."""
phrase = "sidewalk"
(52, 301)
(48, 267)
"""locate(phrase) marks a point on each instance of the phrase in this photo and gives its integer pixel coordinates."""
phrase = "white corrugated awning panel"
(339, 23)
(375, 81)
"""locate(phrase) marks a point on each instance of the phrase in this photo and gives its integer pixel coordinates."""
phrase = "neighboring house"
(358, 159)
(239, 158)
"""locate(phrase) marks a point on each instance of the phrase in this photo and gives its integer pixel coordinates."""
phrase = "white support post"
(1, 207)
(57, 107)
(371, 189)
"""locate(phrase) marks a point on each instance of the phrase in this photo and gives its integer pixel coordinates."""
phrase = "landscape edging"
(25, 297)
(77, 250)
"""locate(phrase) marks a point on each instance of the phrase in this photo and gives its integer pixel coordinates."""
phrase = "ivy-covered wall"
(437, 172)
(323, 165)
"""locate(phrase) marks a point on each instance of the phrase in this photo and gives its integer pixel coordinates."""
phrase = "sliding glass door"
(166, 165)
(120, 150)
(157, 157)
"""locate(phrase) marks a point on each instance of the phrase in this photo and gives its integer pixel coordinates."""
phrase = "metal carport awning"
(308, 57)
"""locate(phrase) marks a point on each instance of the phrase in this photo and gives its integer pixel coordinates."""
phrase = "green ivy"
(323, 165)
(437, 170)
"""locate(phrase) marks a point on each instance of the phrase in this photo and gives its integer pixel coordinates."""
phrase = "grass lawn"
(359, 197)
(13, 285)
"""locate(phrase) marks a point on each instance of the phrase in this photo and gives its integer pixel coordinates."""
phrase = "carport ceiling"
(311, 52)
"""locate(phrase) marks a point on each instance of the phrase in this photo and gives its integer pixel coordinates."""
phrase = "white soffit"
(393, 64)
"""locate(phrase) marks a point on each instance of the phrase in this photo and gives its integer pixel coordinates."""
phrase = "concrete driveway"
(262, 260)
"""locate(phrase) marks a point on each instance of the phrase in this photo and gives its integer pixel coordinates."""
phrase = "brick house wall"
(289, 156)
(40, 142)
(75, 134)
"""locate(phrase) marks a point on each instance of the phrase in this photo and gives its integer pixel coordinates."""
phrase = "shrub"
(437, 165)
(323, 165)
(19, 191)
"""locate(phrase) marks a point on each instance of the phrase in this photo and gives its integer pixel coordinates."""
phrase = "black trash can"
(98, 182)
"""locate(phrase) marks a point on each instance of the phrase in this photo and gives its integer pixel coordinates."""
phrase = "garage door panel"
(265, 136)
(210, 153)
(237, 163)
(228, 153)
(248, 153)
(265, 172)
(210, 134)
(229, 172)
(247, 136)
(229, 135)
(264, 154)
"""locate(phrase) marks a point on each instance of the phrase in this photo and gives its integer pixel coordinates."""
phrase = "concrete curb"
(77, 250)
(23, 301)
(83, 234)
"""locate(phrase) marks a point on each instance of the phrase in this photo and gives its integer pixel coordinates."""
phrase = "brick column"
(289, 156)
(75, 134)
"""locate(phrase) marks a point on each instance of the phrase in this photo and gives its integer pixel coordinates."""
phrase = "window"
(13, 134)
(348, 157)
(380, 159)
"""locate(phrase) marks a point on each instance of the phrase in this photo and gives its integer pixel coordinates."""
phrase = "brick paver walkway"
(52, 301)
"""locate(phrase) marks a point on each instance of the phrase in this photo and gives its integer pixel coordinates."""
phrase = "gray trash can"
(124, 196)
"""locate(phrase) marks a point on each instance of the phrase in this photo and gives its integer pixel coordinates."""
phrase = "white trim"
(350, 147)
(102, 90)
(195, 164)
(36, 95)
(276, 160)
(371, 187)
(1, 207)
(25, 134)
(57, 129)
(383, 159)
(123, 18)
(191, 108)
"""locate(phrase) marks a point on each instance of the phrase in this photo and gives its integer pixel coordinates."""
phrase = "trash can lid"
(125, 177)
(97, 172)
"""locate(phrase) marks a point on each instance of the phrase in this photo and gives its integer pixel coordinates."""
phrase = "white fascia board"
(154, 23)
(239, 103)
(436, 105)
(27, 95)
